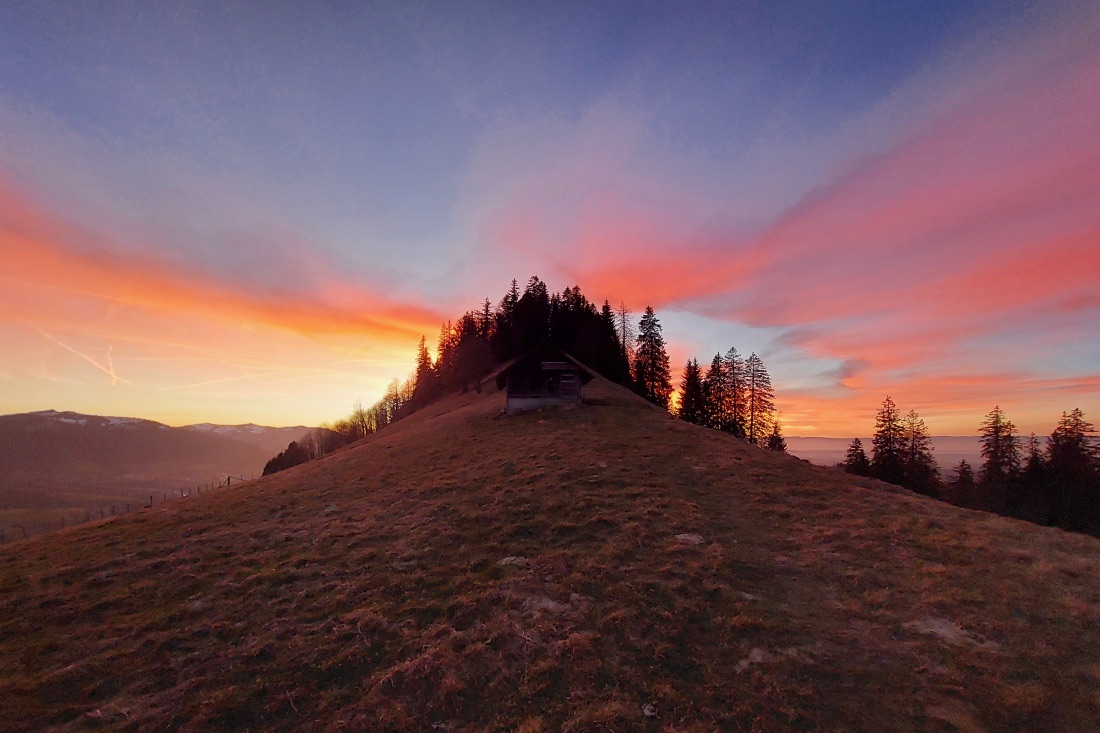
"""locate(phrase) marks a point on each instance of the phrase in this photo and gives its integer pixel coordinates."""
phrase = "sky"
(251, 211)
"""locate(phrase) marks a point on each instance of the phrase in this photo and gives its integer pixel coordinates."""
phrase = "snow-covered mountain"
(270, 439)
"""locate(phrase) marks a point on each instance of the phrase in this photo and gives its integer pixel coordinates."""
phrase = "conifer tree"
(1001, 451)
(888, 444)
(485, 320)
(532, 315)
(921, 474)
(1073, 483)
(1024, 499)
(962, 484)
(615, 364)
(652, 379)
(691, 394)
(714, 394)
(735, 369)
(855, 461)
(504, 341)
(759, 399)
(1000, 448)
(424, 376)
(775, 439)
(625, 328)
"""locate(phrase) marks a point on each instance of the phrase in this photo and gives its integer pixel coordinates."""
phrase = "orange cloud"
(49, 253)
(91, 328)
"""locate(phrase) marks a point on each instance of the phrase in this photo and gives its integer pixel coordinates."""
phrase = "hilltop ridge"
(603, 568)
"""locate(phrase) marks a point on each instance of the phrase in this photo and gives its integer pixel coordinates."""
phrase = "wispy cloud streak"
(107, 368)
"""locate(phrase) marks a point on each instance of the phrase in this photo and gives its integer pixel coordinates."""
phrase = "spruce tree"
(1073, 483)
(1001, 451)
(1025, 495)
(424, 376)
(775, 439)
(921, 474)
(855, 461)
(962, 484)
(504, 341)
(652, 378)
(714, 394)
(691, 394)
(532, 315)
(736, 380)
(888, 444)
(759, 399)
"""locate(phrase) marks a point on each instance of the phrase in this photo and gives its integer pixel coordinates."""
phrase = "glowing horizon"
(197, 226)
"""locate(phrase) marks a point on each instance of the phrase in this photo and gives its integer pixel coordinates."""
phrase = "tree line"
(1056, 484)
(735, 395)
(601, 337)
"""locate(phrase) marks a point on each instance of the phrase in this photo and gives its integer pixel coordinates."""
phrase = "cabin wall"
(522, 404)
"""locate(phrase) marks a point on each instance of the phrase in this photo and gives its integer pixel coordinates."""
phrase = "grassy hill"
(605, 568)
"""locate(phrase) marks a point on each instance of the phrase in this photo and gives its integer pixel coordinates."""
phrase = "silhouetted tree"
(1001, 451)
(485, 321)
(714, 394)
(962, 483)
(613, 362)
(1026, 498)
(736, 413)
(1072, 483)
(532, 316)
(775, 439)
(652, 379)
(759, 399)
(855, 461)
(921, 474)
(888, 444)
(504, 341)
(692, 408)
(360, 420)
(294, 455)
(625, 327)
(423, 376)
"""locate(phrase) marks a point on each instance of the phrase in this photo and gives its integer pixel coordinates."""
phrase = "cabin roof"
(551, 358)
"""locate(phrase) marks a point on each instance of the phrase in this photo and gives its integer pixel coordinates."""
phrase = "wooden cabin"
(543, 377)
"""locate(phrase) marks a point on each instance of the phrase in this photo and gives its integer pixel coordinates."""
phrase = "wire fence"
(31, 528)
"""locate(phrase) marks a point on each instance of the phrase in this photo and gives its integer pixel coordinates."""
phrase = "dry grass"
(606, 568)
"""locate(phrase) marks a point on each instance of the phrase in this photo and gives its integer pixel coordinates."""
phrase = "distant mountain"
(948, 450)
(272, 440)
(55, 463)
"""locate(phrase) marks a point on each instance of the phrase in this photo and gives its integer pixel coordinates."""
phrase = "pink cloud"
(979, 223)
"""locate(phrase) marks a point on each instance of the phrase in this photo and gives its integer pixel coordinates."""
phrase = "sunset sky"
(251, 211)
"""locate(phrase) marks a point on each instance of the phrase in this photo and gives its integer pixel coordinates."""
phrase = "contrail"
(109, 370)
